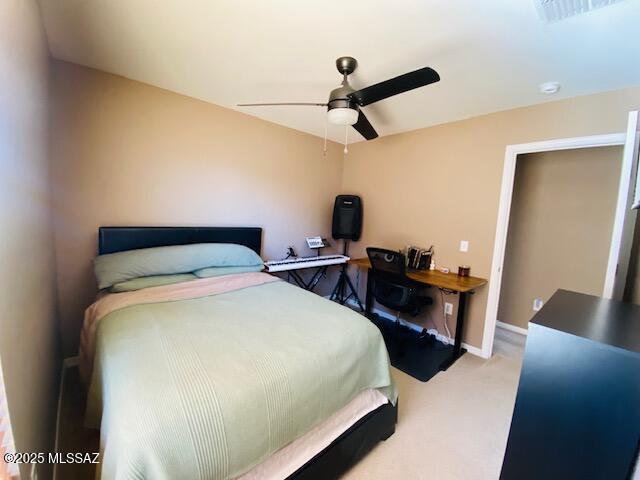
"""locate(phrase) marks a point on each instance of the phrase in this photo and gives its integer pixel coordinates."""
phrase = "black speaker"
(347, 217)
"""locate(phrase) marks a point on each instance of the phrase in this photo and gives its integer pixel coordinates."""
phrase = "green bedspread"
(209, 387)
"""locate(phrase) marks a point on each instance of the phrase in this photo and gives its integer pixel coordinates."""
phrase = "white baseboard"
(474, 350)
(511, 328)
(470, 348)
(67, 363)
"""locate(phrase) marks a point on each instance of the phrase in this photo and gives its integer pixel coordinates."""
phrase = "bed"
(248, 377)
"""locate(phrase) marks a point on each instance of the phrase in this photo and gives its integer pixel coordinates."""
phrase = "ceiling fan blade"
(364, 128)
(394, 86)
(281, 103)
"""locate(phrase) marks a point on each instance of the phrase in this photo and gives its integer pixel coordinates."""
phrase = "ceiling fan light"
(343, 116)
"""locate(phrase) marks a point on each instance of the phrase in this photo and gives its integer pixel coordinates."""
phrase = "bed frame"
(346, 450)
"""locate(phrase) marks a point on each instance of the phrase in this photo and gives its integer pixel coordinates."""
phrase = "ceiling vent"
(555, 10)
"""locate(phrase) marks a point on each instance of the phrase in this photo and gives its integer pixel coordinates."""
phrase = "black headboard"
(118, 239)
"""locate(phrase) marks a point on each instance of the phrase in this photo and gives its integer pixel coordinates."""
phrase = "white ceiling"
(491, 54)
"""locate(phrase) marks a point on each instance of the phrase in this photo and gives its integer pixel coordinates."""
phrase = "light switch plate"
(464, 245)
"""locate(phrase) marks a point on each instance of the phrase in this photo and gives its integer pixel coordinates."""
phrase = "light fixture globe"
(343, 116)
(549, 88)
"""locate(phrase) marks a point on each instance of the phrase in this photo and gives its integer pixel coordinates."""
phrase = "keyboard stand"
(313, 281)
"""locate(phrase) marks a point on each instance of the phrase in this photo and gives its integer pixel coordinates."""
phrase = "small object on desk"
(425, 259)
(444, 270)
(419, 258)
(464, 270)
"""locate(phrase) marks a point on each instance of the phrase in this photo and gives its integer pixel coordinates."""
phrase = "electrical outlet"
(464, 245)
(537, 304)
(448, 308)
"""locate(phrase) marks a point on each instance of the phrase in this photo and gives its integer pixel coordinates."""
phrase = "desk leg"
(462, 307)
(369, 295)
(458, 351)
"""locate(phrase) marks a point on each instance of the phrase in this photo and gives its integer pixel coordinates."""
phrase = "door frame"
(504, 209)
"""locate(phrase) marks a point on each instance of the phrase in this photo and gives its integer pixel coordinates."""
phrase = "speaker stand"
(344, 285)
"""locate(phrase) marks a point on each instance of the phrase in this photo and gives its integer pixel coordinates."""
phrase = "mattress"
(242, 376)
(290, 458)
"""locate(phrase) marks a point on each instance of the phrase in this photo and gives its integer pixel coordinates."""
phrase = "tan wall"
(559, 228)
(28, 326)
(126, 153)
(441, 184)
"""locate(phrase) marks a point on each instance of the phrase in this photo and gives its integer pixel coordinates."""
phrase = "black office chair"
(391, 286)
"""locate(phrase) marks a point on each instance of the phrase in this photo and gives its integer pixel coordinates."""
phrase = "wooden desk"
(446, 281)
(450, 282)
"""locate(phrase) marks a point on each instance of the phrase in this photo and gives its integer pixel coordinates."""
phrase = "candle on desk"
(464, 270)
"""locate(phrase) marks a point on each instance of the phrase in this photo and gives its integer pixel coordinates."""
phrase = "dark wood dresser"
(577, 411)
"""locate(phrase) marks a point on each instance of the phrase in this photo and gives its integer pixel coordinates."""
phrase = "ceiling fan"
(343, 107)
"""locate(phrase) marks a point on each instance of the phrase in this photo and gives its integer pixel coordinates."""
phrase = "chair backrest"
(392, 288)
(387, 261)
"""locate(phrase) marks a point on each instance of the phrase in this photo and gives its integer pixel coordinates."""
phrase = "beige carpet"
(455, 426)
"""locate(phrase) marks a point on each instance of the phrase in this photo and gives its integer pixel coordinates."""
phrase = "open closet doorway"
(576, 222)
(562, 214)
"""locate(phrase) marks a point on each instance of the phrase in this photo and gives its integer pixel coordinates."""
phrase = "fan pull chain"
(326, 122)
(346, 139)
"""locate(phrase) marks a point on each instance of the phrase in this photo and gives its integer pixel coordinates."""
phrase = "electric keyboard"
(296, 263)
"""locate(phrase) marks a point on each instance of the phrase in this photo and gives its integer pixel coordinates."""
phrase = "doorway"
(562, 214)
(622, 218)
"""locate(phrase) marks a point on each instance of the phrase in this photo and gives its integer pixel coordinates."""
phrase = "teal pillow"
(153, 281)
(119, 267)
(217, 271)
